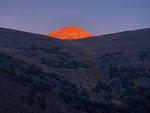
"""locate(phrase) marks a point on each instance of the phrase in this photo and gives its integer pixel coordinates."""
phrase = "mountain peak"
(69, 32)
(70, 27)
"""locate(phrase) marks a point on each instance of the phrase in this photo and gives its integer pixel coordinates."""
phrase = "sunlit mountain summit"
(69, 32)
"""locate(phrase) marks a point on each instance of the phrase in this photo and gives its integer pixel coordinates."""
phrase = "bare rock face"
(69, 32)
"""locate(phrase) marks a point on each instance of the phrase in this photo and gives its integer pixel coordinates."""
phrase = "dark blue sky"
(95, 16)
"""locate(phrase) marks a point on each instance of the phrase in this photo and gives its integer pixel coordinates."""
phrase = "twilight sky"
(95, 16)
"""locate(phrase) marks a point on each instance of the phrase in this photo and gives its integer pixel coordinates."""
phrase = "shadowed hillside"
(106, 74)
(138, 39)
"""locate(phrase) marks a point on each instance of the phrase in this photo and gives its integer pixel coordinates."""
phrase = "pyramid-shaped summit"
(69, 32)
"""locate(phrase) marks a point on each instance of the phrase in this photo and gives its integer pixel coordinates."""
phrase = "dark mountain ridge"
(127, 38)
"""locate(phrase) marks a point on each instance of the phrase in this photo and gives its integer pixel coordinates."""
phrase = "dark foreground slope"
(40, 74)
(125, 60)
(33, 68)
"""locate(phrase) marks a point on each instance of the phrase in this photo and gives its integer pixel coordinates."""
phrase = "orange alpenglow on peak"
(70, 32)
